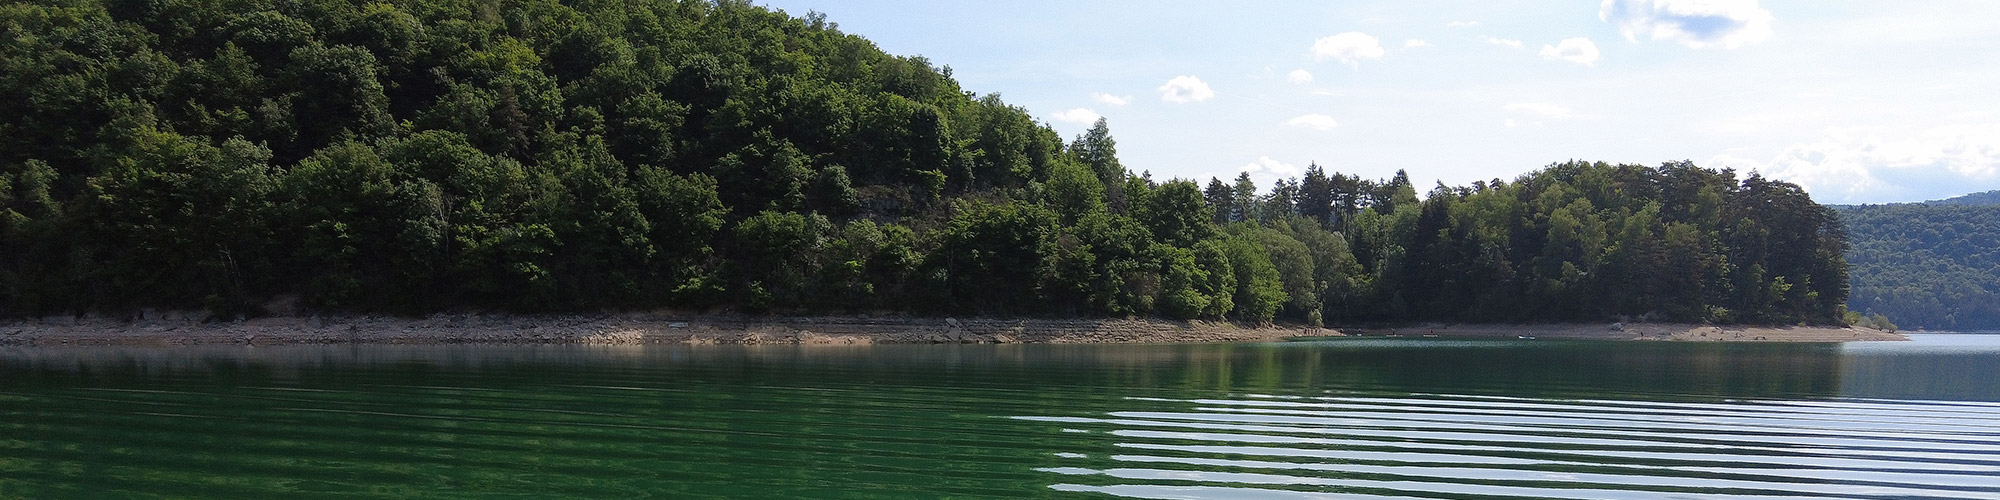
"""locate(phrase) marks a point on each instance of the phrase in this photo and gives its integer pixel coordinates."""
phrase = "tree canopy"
(412, 156)
(1975, 199)
(1931, 265)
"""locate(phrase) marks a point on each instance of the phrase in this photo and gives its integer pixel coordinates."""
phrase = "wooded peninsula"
(418, 156)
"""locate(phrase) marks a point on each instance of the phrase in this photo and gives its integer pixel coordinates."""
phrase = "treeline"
(1573, 242)
(530, 155)
(1974, 199)
(1934, 265)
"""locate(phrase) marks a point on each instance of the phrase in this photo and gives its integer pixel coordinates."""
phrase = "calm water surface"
(1351, 418)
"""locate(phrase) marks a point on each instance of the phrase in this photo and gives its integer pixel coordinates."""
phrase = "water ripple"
(1444, 446)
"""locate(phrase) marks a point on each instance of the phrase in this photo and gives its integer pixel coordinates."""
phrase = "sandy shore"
(171, 328)
(1645, 331)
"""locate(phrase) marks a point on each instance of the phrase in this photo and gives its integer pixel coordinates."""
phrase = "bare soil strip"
(1643, 331)
(169, 328)
(172, 329)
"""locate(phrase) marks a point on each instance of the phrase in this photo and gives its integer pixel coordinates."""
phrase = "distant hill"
(1933, 265)
(1976, 199)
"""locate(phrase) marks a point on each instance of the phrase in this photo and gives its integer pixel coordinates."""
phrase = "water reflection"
(1932, 366)
(1906, 420)
(1491, 367)
(1455, 446)
(1356, 418)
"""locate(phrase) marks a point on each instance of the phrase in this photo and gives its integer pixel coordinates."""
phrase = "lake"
(1343, 418)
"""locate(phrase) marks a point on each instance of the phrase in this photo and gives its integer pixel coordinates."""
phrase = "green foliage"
(1575, 242)
(600, 226)
(1072, 191)
(1212, 256)
(833, 192)
(684, 214)
(1930, 266)
(366, 237)
(413, 156)
(1878, 322)
(1975, 199)
(1176, 213)
(986, 250)
(1259, 290)
(1121, 281)
(1096, 150)
(181, 223)
(1181, 275)
(1294, 264)
(779, 255)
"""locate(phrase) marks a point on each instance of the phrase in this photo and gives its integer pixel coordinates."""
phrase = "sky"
(1858, 102)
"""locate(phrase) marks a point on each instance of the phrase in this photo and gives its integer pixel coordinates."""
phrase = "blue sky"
(1860, 102)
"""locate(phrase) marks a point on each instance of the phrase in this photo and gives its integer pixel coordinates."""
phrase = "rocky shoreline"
(1643, 331)
(175, 329)
(168, 329)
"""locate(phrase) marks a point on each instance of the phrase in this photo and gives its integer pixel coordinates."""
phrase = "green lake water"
(1348, 418)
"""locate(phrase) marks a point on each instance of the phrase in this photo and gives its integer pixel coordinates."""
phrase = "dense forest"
(416, 156)
(1974, 199)
(1932, 265)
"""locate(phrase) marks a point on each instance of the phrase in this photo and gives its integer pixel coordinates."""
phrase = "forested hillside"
(1932, 266)
(1986, 198)
(529, 155)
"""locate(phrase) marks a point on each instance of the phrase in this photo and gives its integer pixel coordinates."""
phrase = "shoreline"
(171, 329)
(176, 329)
(1677, 332)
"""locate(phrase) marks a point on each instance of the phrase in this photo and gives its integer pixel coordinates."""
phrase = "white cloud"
(1079, 115)
(1504, 42)
(1350, 47)
(1577, 50)
(1185, 89)
(1695, 23)
(1461, 24)
(1271, 169)
(1111, 100)
(1313, 121)
(1543, 109)
(1299, 77)
(1415, 42)
(1849, 166)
